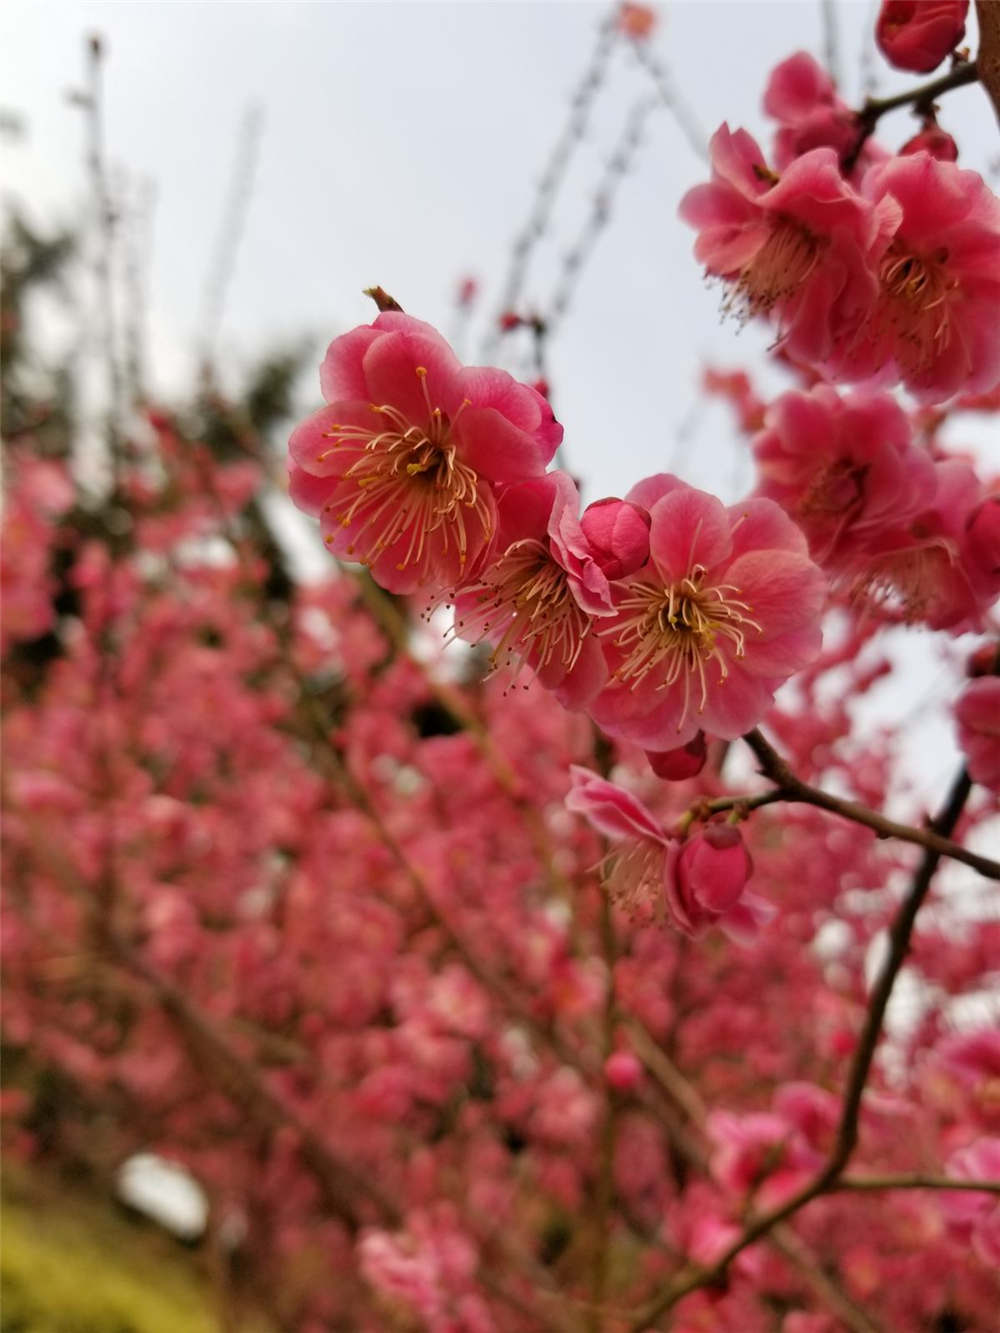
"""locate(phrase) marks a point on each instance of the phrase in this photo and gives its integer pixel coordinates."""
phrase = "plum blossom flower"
(726, 608)
(934, 322)
(402, 464)
(760, 1154)
(918, 34)
(797, 247)
(842, 468)
(942, 567)
(801, 97)
(978, 716)
(700, 882)
(618, 533)
(536, 600)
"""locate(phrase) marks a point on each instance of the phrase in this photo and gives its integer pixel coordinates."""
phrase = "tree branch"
(915, 1182)
(847, 1134)
(794, 790)
(920, 98)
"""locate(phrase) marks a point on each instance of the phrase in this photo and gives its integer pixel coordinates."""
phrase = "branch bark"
(791, 788)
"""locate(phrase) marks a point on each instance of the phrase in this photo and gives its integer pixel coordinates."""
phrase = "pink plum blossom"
(797, 247)
(978, 715)
(700, 882)
(942, 566)
(842, 468)
(934, 322)
(918, 34)
(726, 608)
(801, 97)
(535, 600)
(402, 464)
(761, 1154)
(618, 534)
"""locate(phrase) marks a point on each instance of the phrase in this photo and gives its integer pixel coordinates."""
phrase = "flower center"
(635, 878)
(527, 596)
(908, 582)
(915, 304)
(675, 632)
(409, 484)
(776, 272)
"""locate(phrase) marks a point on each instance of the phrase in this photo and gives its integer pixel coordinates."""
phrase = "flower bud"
(618, 534)
(622, 1071)
(685, 762)
(934, 140)
(918, 34)
(713, 869)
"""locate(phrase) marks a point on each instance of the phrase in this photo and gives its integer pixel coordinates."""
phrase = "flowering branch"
(792, 788)
(847, 1133)
(920, 98)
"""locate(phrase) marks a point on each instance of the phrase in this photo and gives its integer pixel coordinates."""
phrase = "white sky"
(401, 145)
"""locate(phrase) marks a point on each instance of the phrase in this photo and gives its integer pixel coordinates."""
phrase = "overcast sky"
(401, 144)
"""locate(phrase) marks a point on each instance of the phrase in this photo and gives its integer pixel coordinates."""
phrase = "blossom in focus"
(705, 882)
(618, 534)
(535, 600)
(798, 248)
(978, 716)
(725, 610)
(700, 882)
(402, 464)
(934, 323)
(918, 34)
(842, 467)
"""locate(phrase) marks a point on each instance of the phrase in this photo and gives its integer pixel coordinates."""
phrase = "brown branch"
(915, 1182)
(920, 98)
(988, 59)
(795, 791)
(847, 1134)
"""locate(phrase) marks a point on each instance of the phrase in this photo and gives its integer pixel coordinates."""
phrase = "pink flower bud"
(713, 869)
(685, 762)
(635, 20)
(622, 1071)
(618, 533)
(918, 34)
(934, 140)
(508, 320)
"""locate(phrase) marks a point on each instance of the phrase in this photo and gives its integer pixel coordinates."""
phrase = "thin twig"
(533, 230)
(915, 1182)
(792, 789)
(920, 98)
